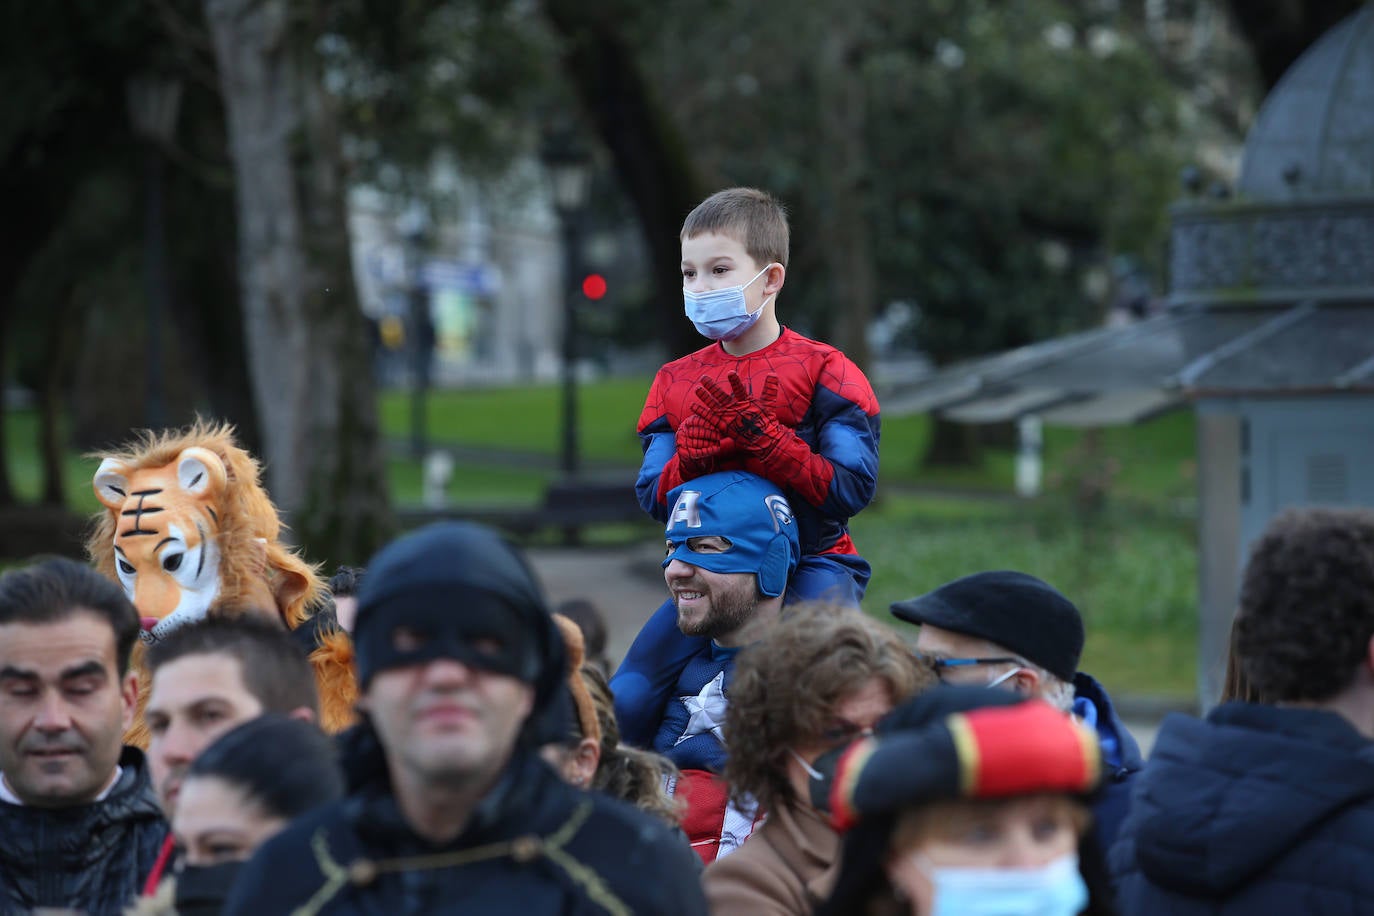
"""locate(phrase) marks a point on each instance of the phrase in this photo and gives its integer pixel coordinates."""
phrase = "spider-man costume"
(828, 403)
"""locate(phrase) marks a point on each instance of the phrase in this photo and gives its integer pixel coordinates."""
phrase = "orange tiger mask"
(188, 531)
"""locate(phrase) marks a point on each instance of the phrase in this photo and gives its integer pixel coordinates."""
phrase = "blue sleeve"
(645, 680)
(660, 444)
(848, 437)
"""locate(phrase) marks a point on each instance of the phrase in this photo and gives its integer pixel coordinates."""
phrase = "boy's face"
(713, 260)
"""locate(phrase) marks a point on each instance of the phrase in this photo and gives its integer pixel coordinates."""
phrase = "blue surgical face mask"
(721, 314)
(1056, 889)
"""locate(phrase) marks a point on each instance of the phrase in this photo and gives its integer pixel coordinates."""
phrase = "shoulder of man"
(293, 866)
(638, 860)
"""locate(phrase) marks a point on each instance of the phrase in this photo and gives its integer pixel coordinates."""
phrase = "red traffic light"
(594, 286)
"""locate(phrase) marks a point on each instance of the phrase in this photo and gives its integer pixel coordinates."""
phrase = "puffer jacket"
(1121, 758)
(1254, 810)
(534, 845)
(90, 858)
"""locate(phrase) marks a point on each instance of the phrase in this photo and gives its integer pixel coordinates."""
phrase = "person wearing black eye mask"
(450, 808)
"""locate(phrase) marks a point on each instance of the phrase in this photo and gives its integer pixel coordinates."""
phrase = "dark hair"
(1235, 687)
(52, 590)
(286, 766)
(1307, 604)
(751, 217)
(626, 772)
(345, 581)
(590, 621)
(274, 668)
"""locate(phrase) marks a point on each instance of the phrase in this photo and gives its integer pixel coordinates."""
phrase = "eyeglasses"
(938, 663)
(842, 732)
(941, 664)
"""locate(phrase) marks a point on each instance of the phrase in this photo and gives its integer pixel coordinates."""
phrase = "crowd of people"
(428, 735)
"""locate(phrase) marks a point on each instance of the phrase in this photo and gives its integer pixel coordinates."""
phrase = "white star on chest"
(707, 710)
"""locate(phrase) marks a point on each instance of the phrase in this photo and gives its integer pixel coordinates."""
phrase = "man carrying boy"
(760, 398)
(732, 545)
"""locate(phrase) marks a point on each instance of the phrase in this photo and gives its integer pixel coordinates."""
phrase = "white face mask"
(722, 314)
(1056, 889)
(997, 681)
(810, 770)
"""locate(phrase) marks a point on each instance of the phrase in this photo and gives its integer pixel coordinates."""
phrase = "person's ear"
(582, 763)
(1026, 682)
(773, 279)
(302, 714)
(128, 698)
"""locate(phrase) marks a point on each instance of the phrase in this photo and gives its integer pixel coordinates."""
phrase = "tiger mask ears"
(200, 473)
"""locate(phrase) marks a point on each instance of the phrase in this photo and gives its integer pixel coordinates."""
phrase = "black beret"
(1020, 613)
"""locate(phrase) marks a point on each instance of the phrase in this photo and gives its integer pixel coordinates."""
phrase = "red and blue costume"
(797, 412)
(829, 471)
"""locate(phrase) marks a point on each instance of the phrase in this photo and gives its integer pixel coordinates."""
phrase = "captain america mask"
(745, 510)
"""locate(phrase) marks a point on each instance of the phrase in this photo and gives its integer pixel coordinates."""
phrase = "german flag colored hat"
(947, 743)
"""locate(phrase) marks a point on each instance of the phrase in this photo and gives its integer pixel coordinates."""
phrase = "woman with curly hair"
(821, 678)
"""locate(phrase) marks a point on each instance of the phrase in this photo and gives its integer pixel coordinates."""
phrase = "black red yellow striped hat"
(984, 751)
(945, 743)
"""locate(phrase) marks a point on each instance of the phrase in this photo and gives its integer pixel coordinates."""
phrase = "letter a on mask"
(685, 510)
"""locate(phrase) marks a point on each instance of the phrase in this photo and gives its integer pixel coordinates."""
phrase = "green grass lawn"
(26, 472)
(1134, 578)
(1132, 569)
(1155, 459)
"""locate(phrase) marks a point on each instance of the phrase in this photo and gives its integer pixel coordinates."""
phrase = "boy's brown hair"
(751, 217)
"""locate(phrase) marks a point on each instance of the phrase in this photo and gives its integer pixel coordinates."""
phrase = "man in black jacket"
(79, 824)
(450, 809)
(1268, 807)
(1011, 630)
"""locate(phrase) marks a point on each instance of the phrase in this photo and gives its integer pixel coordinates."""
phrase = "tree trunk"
(62, 331)
(650, 157)
(6, 491)
(951, 445)
(843, 222)
(30, 214)
(303, 328)
(1278, 31)
(211, 334)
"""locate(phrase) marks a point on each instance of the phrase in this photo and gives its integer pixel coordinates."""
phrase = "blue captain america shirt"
(690, 733)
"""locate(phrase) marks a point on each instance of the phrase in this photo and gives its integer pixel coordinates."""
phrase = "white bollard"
(1029, 463)
(437, 473)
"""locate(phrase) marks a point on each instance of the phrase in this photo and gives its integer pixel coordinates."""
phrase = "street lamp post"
(414, 223)
(569, 170)
(153, 105)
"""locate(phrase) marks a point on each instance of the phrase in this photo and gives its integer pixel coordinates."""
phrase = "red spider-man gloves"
(773, 450)
(700, 447)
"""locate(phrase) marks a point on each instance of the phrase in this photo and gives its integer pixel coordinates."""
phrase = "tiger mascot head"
(188, 528)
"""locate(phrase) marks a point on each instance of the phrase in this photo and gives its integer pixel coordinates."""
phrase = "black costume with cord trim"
(534, 845)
